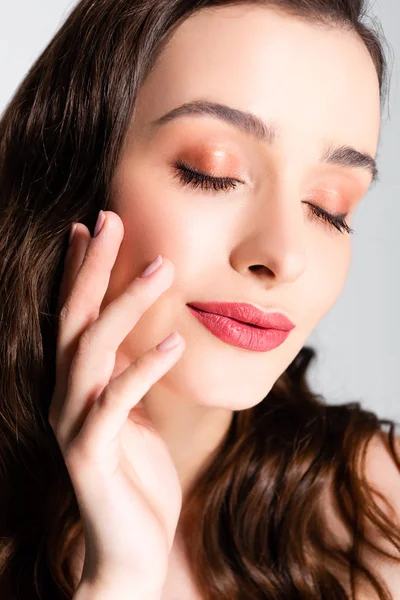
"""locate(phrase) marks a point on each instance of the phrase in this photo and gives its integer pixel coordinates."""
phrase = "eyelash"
(207, 182)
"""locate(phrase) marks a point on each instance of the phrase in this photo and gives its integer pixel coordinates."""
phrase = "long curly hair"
(259, 528)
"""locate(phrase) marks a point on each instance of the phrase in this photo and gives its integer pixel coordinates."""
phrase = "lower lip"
(240, 334)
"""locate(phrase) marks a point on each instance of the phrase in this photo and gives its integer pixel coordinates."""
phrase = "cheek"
(328, 277)
(156, 220)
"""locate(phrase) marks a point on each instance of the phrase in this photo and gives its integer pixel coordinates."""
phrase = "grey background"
(358, 340)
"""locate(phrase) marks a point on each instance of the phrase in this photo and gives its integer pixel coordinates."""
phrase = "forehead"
(317, 83)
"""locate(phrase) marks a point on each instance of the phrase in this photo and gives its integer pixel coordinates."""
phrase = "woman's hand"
(125, 481)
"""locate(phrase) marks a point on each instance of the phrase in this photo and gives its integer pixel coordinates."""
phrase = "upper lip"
(247, 313)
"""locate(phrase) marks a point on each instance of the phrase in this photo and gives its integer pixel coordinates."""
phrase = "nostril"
(256, 267)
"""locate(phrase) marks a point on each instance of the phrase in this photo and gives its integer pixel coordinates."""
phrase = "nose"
(276, 248)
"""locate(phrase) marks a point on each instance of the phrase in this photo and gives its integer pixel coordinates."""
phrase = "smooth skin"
(258, 243)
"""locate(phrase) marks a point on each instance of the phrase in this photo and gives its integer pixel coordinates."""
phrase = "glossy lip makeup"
(244, 335)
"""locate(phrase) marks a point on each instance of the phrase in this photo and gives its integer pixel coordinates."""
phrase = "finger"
(94, 360)
(72, 262)
(102, 427)
(82, 300)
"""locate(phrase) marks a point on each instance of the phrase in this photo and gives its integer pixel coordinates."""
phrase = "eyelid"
(181, 164)
(205, 181)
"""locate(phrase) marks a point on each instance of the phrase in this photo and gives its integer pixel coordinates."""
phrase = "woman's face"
(315, 88)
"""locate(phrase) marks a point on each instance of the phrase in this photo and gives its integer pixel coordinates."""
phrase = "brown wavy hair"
(260, 528)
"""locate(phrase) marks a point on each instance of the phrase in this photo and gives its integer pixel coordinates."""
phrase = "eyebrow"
(251, 124)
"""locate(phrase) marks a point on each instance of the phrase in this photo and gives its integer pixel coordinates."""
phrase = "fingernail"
(100, 222)
(152, 267)
(170, 342)
(72, 233)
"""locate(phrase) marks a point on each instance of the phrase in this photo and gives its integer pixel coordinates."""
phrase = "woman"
(232, 143)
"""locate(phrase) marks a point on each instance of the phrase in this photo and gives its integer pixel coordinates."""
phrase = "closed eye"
(196, 179)
(205, 182)
(337, 220)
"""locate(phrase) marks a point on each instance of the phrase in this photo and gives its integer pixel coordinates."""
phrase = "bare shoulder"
(383, 475)
(383, 478)
(381, 470)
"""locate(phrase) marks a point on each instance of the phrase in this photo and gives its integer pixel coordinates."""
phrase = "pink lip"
(268, 331)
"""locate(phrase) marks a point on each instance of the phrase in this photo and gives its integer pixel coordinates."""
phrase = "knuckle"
(138, 294)
(64, 312)
(78, 452)
(144, 292)
(109, 396)
(84, 342)
(145, 364)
